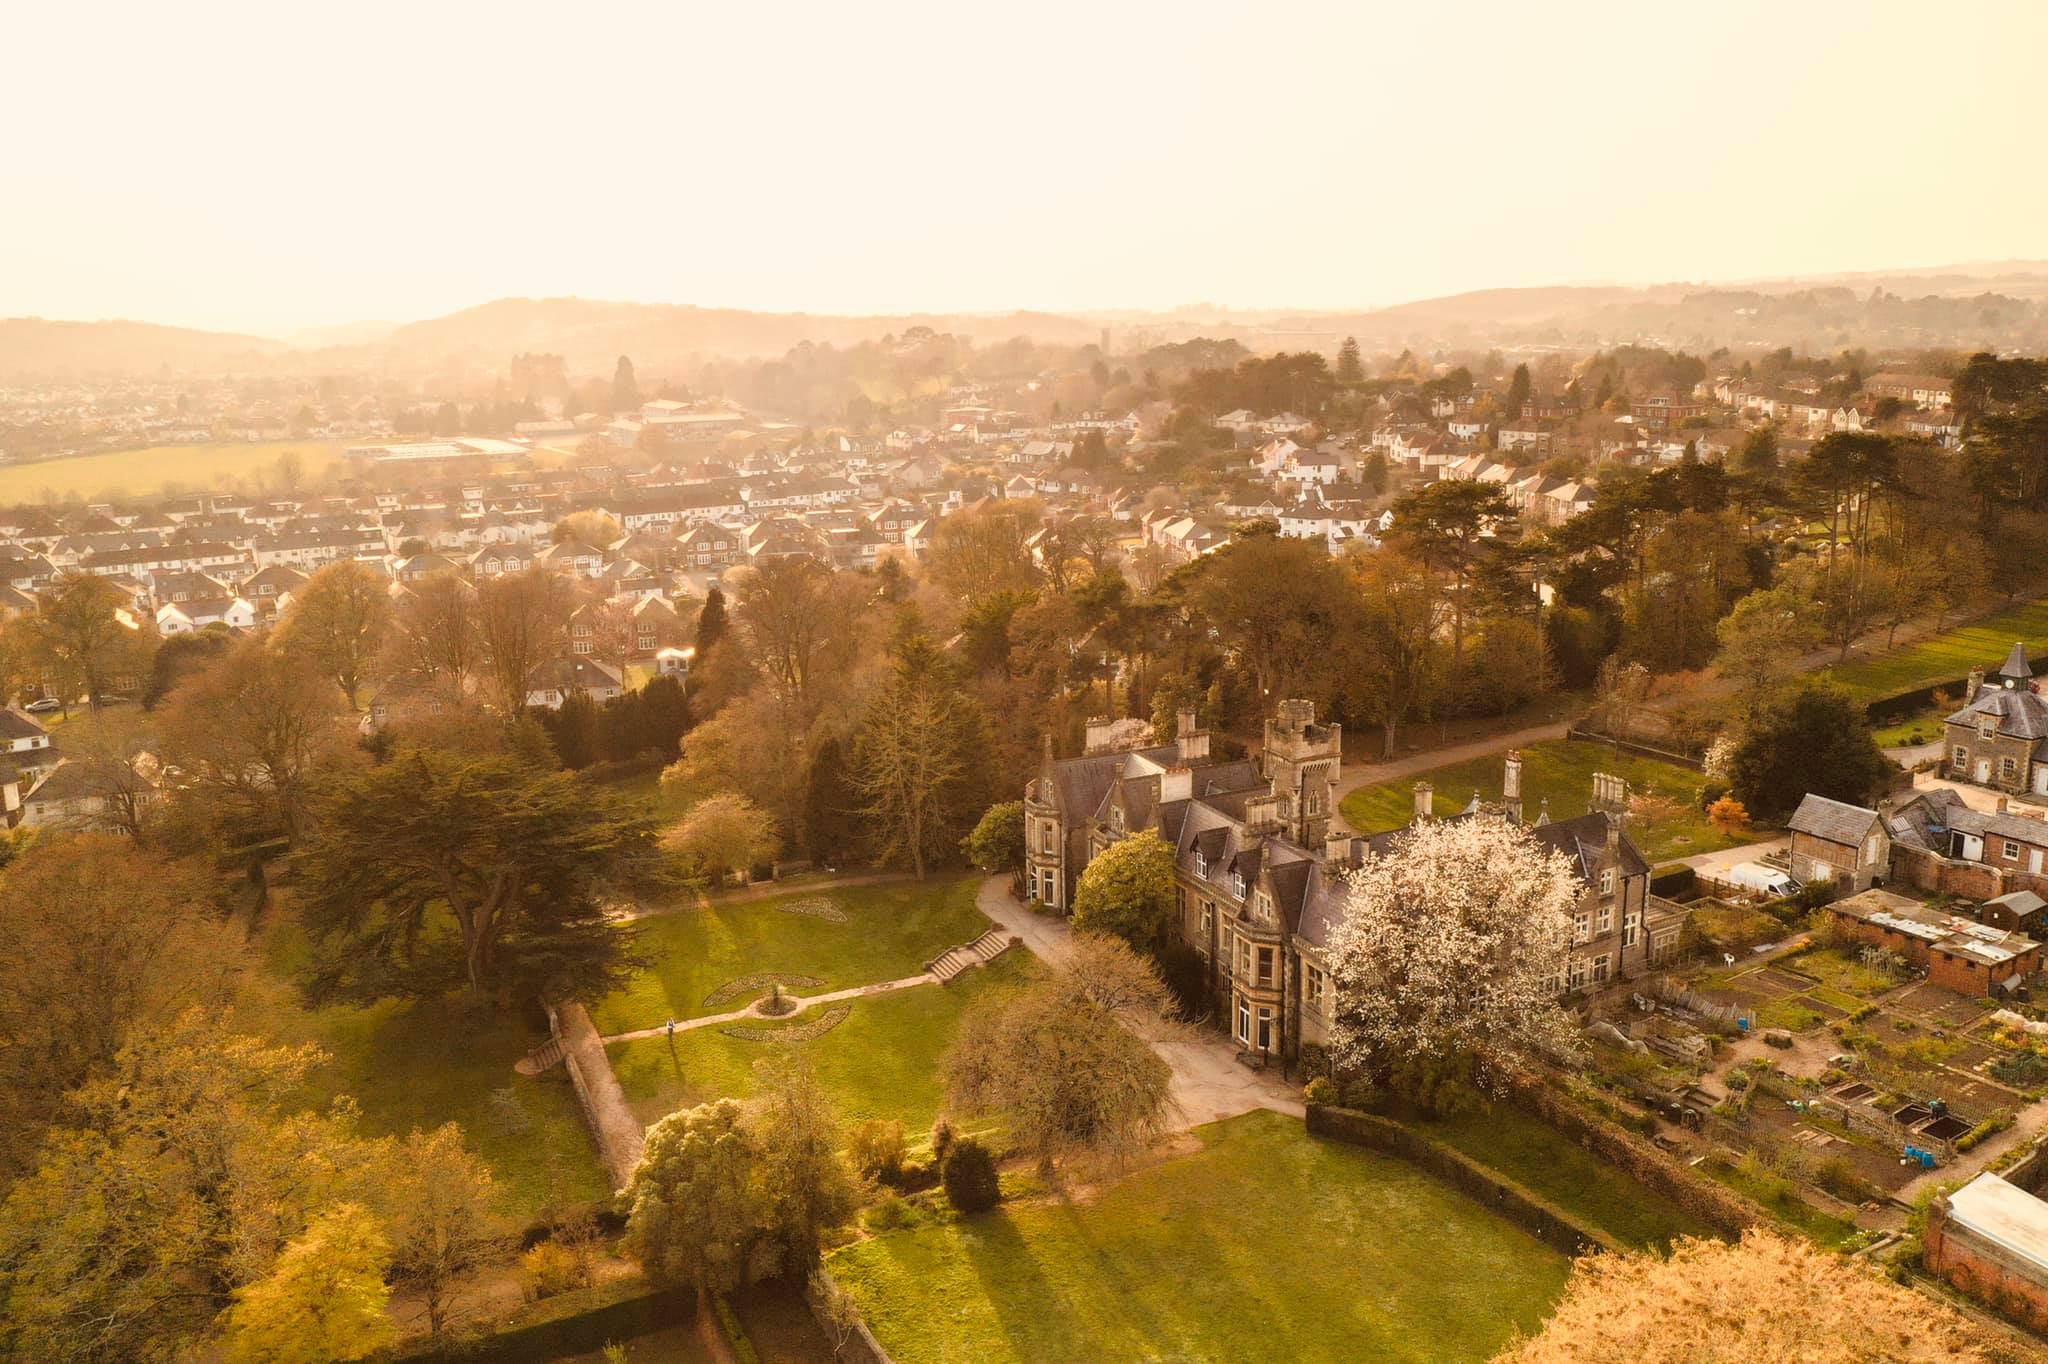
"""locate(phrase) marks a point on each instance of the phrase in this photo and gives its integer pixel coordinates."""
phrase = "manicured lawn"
(890, 931)
(134, 473)
(1949, 656)
(1544, 1160)
(1562, 771)
(420, 1065)
(1923, 728)
(1267, 1244)
(881, 1062)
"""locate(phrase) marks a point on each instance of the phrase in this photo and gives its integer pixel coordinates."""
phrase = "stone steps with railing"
(980, 952)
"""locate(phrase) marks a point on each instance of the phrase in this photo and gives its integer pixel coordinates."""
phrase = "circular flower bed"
(796, 1032)
(754, 984)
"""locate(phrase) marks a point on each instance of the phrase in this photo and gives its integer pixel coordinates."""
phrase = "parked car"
(42, 705)
(1762, 879)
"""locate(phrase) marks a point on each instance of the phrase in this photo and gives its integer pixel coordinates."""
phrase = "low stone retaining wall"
(1526, 1208)
(860, 1347)
(1720, 1208)
(613, 1127)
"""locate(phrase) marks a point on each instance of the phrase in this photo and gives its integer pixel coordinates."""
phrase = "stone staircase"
(980, 952)
(547, 1058)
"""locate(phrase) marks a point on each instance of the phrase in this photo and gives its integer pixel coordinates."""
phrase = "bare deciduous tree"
(435, 633)
(339, 620)
(521, 618)
(1062, 1062)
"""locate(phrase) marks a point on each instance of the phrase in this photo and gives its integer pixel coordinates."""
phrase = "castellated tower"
(1300, 759)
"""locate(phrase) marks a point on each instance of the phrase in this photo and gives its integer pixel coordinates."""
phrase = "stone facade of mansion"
(1259, 867)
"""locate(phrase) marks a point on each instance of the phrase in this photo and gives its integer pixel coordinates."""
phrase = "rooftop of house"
(1832, 821)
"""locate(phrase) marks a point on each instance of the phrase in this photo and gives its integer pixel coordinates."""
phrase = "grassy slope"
(1949, 656)
(882, 1062)
(1562, 771)
(1551, 1164)
(891, 932)
(1266, 1244)
(421, 1065)
(133, 473)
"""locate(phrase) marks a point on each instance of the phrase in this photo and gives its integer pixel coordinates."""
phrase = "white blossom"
(1452, 943)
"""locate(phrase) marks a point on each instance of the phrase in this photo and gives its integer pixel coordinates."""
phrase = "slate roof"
(1583, 841)
(15, 725)
(2021, 714)
(1832, 821)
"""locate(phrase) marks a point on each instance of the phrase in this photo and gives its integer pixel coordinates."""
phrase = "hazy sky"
(276, 165)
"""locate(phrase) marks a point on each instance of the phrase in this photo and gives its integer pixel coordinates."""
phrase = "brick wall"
(1985, 1271)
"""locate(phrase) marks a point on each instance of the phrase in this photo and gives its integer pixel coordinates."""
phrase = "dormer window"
(1237, 884)
(1987, 726)
(1201, 865)
(1607, 881)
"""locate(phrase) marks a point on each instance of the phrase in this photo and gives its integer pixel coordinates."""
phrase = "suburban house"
(1258, 871)
(181, 618)
(557, 680)
(2000, 736)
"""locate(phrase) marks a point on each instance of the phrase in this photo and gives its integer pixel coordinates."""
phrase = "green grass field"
(1561, 771)
(1923, 727)
(881, 1062)
(139, 473)
(890, 931)
(1266, 1244)
(1545, 1161)
(1948, 656)
(420, 1065)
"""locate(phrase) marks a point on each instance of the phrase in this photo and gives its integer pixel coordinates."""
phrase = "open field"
(1560, 771)
(140, 473)
(887, 932)
(1950, 655)
(882, 1061)
(1545, 1161)
(1265, 1244)
(420, 1065)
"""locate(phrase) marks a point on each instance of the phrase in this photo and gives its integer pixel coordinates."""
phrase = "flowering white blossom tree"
(1450, 948)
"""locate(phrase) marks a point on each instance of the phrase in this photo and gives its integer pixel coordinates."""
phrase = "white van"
(1761, 879)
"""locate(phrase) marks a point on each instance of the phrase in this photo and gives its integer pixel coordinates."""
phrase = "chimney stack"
(1973, 686)
(1511, 785)
(1336, 849)
(1424, 796)
(1186, 719)
(1176, 783)
(1099, 727)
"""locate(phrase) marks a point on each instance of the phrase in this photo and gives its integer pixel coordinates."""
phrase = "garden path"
(800, 1003)
(1208, 1082)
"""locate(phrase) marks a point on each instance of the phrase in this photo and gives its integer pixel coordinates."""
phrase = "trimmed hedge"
(583, 1333)
(1528, 1209)
(1719, 1207)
